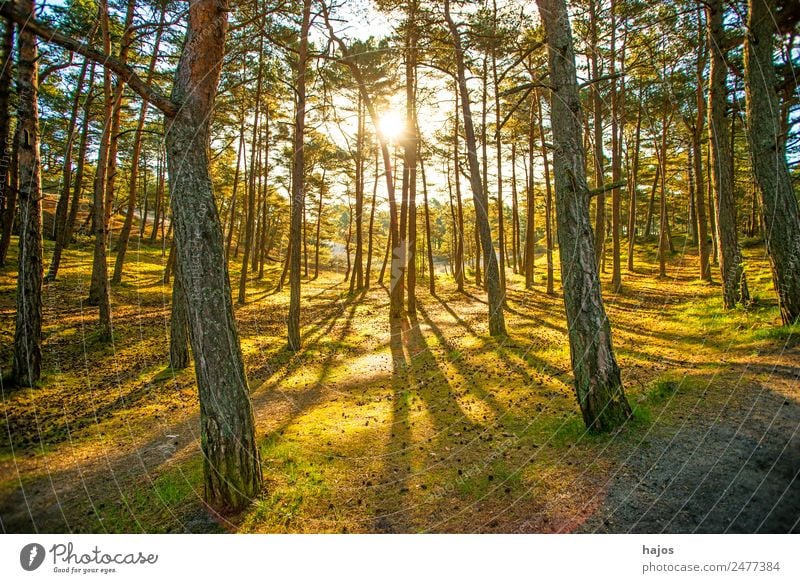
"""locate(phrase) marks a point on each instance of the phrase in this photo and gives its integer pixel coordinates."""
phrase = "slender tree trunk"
(548, 205)
(498, 142)
(178, 328)
(648, 227)
(633, 185)
(298, 184)
(319, 228)
(62, 207)
(700, 206)
(370, 233)
(428, 246)
(240, 149)
(396, 291)
(778, 201)
(125, 232)
(514, 209)
(458, 270)
(530, 227)
(98, 292)
(250, 208)
(357, 280)
(730, 256)
(617, 109)
(497, 325)
(411, 148)
(27, 361)
(597, 376)
(77, 188)
(597, 121)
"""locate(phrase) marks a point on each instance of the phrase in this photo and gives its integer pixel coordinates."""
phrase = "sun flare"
(391, 124)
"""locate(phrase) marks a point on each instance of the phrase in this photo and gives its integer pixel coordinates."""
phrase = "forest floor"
(425, 425)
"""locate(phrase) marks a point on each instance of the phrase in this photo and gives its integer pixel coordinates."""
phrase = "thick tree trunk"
(27, 361)
(7, 199)
(597, 377)
(497, 326)
(730, 256)
(778, 201)
(230, 453)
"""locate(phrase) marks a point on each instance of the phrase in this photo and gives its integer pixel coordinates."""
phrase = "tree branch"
(125, 73)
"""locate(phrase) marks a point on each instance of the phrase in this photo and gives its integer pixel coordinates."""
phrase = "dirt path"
(736, 472)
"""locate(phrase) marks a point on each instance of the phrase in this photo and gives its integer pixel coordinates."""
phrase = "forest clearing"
(399, 267)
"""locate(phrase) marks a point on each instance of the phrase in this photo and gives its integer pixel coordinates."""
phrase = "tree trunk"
(428, 246)
(319, 227)
(7, 196)
(458, 270)
(530, 227)
(597, 121)
(778, 202)
(298, 184)
(497, 326)
(250, 207)
(633, 185)
(370, 232)
(597, 377)
(62, 207)
(230, 453)
(232, 217)
(125, 232)
(98, 291)
(548, 203)
(617, 110)
(27, 361)
(357, 280)
(178, 328)
(77, 188)
(498, 142)
(697, 132)
(730, 256)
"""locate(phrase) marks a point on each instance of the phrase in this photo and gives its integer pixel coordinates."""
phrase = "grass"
(432, 427)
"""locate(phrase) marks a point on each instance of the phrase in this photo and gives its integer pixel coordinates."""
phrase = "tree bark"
(730, 256)
(62, 207)
(98, 290)
(597, 376)
(8, 196)
(125, 232)
(298, 184)
(178, 328)
(231, 457)
(497, 325)
(778, 202)
(27, 360)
